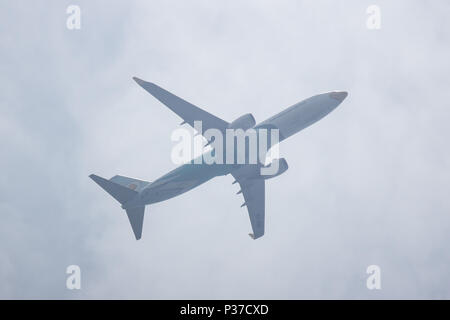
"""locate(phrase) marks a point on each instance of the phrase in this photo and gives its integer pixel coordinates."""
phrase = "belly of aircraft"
(180, 181)
(173, 188)
(301, 115)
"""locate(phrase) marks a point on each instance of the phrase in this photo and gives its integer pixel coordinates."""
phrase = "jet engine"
(244, 122)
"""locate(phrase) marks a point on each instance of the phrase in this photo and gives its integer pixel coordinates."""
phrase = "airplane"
(134, 194)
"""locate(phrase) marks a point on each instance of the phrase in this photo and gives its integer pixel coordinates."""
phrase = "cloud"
(366, 185)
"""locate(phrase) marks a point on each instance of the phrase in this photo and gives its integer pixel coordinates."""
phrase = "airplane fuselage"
(239, 148)
(289, 122)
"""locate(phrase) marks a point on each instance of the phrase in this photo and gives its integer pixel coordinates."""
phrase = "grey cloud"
(366, 185)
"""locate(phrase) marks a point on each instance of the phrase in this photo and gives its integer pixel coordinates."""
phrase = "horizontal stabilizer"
(136, 217)
(131, 183)
(117, 191)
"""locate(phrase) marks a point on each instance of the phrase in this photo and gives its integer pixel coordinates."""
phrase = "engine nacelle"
(282, 167)
(244, 122)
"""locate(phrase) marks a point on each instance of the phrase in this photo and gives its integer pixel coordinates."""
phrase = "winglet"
(139, 81)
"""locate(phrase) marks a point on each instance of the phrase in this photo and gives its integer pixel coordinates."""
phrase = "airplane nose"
(338, 95)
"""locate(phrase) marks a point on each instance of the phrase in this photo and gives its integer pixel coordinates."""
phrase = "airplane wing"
(187, 111)
(254, 196)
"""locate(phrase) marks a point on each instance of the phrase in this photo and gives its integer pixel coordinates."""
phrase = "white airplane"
(134, 194)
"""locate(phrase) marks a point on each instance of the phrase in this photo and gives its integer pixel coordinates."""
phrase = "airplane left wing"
(254, 196)
(187, 111)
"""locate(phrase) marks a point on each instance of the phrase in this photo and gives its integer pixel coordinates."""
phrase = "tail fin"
(124, 194)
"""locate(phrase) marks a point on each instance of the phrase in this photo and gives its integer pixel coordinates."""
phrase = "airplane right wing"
(254, 196)
(187, 111)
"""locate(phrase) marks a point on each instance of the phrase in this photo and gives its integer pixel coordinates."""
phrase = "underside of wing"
(187, 111)
(254, 196)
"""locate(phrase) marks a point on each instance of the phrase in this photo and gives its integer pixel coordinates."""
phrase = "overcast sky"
(368, 184)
